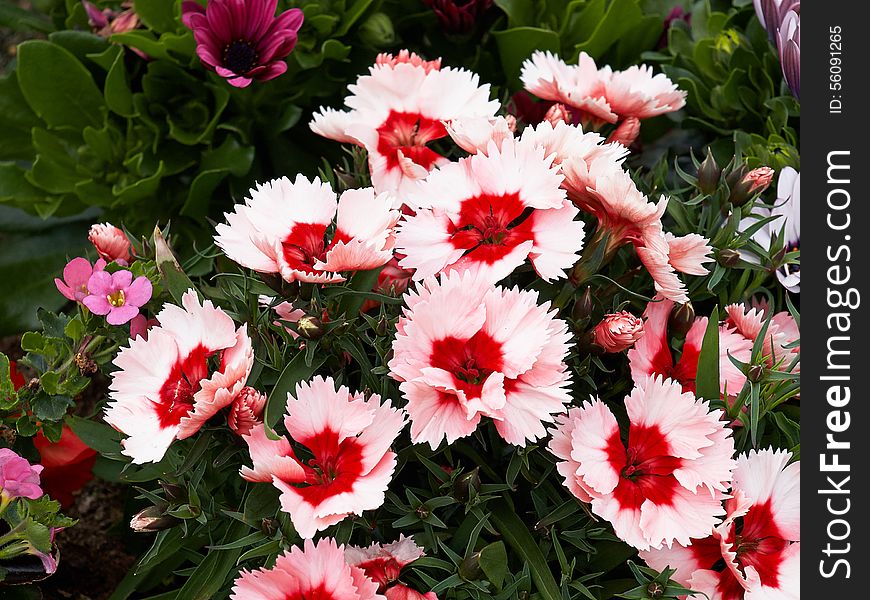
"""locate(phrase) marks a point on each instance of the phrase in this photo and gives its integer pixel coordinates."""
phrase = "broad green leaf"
(119, 98)
(707, 378)
(99, 436)
(516, 45)
(295, 371)
(158, 15)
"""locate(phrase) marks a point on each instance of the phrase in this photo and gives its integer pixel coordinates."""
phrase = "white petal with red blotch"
(653, 253)
(319, 406)
(271, 458)
(427, 233)
(713, 469)
(144, 367)
(688, 515)
(767, 475)
(550, 368)
(560, 445)
(636, 92)
(788, 576)
(590, 443)
(436, 415)
(354, 255)
(196, 324)
(516, 321)
(364, 215)
(685, 560)
(332, 124)
(568, 141)
(492, 393)
(688, 253)
(706, 583)
(558, 240)
(404, 551)
(654, 344)
(377, 438)
(492, 271)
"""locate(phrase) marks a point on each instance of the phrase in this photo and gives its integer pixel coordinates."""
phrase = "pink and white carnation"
(652, 354)
(383, 563)
(281, 228)
(490, 212)
(755, 552)
(349, 437)
(397, 110)
(780, 347)
(164, 388)
(315, 571)
(666, 483)
(466, 349)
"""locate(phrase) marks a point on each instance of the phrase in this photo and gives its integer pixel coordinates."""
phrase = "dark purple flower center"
(240, 56)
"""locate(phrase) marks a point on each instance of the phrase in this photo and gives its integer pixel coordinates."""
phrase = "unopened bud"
(269, 526)
(378, 31)
(756, 372)
(557, 114)
(655, 590)
(246, 410)
(174, 493)
(470, 569)
(729, 258)
(583, 307)
(311, 328)
(618, 331)
(465, 483)
(152, 519)
(750, 185)
(626, 133)
(511, 122)
(383, 326)
(681, 319)
(345, 180)
(709, 174)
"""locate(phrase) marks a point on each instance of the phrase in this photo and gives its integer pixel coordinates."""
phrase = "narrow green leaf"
(707, 379)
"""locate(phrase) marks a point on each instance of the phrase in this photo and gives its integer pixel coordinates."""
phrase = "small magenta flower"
(117, 295)
(76, 273)
(242, 40)
(18, 478)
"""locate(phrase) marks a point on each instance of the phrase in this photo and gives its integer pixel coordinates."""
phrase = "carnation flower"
(396, 110)
(466, 349)
(246, 410)
(755, 552)
(382, 563)
(652, 354)
(778, 347)
(666, 483)
(349, 437)
(637, 93)
(281, 229)
(316, 571)
(111, 243)
(618, 331)
(76, 274)
(117, 295)
(489, 212)
(165, 389)
(18, 478)
(242, 40)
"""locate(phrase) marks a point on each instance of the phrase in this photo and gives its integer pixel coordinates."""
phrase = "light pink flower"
(400, 591)
(763, 560)
(281, 229)
(111, 243)
(117, 295)
(636, 92)
(666, 484)
(397, 110)
(782, 332)
(165, 389)
(618, 331)
(465, 349)
(490, 212)
(626, 133)
(18, 478)
(406, 57)
(246, 410)
(316, 571)
(350, 438)
(76, 274)
(383, 563)
(652, 354)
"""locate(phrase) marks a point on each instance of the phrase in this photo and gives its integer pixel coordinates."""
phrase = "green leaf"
(142, 40)
(99, 436)
(50, 408)
(18, 19)
(295, 371)
(620, 18)
(493, 562)
(199, 196)
(159, 15)
(215, 569)
(519, 12)
(8, 395)
(516, 45)
(707, 379)
(119, 98)
(58, 88)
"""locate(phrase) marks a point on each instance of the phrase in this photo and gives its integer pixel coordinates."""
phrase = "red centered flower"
(242, 40)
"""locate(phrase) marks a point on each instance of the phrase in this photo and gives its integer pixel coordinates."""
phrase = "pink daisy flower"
(465, 349)
(164, 388)
(763, 561)
(281, 228)
(666, 483)
(242, 40)
(76, 273)
(382, 563)
(396, 110)
(349, 437)
(117, 295)
(652, 354)
(111, 243)
(489, 212)
(316, 571)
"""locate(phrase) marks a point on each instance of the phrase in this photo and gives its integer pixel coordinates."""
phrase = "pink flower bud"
(18, 478)
(626, 133)
(618, 331)
(511, 122)
(758, 179)
(558, 114)
(246, 410)
(401, 591)
(111, 243)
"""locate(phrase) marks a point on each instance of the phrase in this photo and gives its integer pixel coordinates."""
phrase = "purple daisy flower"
(242, 40)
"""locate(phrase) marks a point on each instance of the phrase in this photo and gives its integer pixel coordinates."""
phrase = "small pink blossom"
(246, 410)
(76, 274)
(117, 295)
(111, 243)
(18, 478)
(626, 132)
(557, 114)
(618, 331)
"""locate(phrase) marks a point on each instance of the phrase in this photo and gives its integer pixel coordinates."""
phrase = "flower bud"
(152, 519)
(469, 568)
(655, 590)
(174, 493)
(709, 174)
(511, 122)
(618, 331)
(111, 243)
(729, 258)
(465, 483)
(378, 31)
(626, 133)
(310, 328)
(756, 372)
(558, 113)
(681, 319)
(750, 185)
(246, 410)
(583, 306)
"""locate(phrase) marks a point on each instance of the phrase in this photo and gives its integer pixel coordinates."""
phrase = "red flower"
(68, 464)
